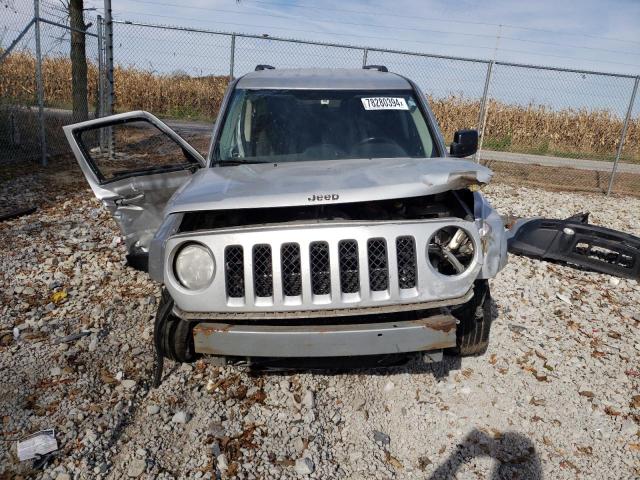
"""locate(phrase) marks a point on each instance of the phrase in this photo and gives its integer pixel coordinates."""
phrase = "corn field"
(533, 128)
(18, 82)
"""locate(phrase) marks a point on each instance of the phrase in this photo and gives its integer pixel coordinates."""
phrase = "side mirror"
(465, 143)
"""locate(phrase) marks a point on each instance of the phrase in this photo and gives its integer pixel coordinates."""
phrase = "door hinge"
(122, 201)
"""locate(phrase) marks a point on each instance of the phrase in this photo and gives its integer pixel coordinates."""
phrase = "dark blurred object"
(17, 213)
(576, 242)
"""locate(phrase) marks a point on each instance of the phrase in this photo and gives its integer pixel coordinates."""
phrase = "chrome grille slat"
(348, 276)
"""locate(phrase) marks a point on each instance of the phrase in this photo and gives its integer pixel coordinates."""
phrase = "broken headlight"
(450, 251)
(194, 266)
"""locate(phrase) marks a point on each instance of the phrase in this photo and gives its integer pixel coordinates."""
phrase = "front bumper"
(258, 340)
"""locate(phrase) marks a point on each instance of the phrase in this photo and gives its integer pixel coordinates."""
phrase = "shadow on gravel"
(381, 365)
(24, 185)
(515, 455)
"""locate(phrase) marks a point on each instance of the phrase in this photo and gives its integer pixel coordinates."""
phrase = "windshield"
(301, 125)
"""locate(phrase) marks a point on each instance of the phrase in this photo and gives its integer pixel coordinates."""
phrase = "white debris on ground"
(556, 395)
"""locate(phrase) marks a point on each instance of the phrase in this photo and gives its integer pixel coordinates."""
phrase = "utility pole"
(484, 107)
(495, 50)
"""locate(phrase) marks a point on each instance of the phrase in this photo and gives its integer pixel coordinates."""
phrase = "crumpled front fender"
(169, 227)
(493, 237)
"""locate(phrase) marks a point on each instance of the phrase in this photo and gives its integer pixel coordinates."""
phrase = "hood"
(328, 181)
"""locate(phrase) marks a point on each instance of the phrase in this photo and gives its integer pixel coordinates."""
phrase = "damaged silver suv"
(327, 220)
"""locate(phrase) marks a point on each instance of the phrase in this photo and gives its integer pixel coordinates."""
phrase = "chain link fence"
(544, 126)
(560, 128)
(552, 127)
(36, 88)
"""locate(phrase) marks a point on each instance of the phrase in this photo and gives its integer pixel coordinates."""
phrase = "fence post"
(108, 44)
(99, 28)
(623, 134)
(484, 108)
(5, 53)
(365, 54)
(104, 141)
(233, 56)
(109, 93)
(39, 84)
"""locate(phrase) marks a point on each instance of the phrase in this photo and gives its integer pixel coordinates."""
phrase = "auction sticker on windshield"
(384, 103)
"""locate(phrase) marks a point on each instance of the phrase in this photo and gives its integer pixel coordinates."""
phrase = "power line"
(405, 28)
(557, 32)
(446, 20)
(382, 38)
(540, 42)
(290, 17)
(297, 29)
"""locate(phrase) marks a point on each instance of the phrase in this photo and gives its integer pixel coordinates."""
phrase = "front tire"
(473, 329)
(173, 336)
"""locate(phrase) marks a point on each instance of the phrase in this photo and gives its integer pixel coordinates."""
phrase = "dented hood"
(318, 182)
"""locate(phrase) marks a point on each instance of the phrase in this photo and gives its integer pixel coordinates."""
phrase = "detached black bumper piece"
(576, 242)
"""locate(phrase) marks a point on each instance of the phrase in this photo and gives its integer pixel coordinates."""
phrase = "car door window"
(132, 148)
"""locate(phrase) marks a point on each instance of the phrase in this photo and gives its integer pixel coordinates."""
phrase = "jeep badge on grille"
(320, 197)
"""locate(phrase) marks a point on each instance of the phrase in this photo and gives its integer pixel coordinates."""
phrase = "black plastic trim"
(138, 261)
(380, 68)
(575, 241)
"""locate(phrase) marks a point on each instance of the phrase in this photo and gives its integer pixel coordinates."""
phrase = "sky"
(586, 34)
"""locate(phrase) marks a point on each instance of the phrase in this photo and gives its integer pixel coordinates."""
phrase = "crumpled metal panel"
(323, 182)
(493, 237)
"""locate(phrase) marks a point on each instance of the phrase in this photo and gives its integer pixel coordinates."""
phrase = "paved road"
(580, 164)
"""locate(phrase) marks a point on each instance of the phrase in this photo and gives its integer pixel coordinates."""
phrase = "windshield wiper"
(232, 163)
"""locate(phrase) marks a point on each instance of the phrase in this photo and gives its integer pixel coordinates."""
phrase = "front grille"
(234, 271)
(349, 269)
(406, 255)
(262, 271)
(378, 266)
(316, 269)
(291, 273)
(320, 268)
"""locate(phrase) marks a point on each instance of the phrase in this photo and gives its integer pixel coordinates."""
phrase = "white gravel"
(556, 395)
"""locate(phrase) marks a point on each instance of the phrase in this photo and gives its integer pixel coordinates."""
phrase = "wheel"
(472, 331)
(172, 336)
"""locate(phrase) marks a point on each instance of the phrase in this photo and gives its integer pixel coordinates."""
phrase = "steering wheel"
(369, 140)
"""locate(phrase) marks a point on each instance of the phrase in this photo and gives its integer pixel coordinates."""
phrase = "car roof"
(323, 79)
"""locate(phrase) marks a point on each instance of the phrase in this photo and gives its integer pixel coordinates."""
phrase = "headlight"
(194, 266)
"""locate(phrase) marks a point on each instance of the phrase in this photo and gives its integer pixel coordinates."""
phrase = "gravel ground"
(556, 395)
